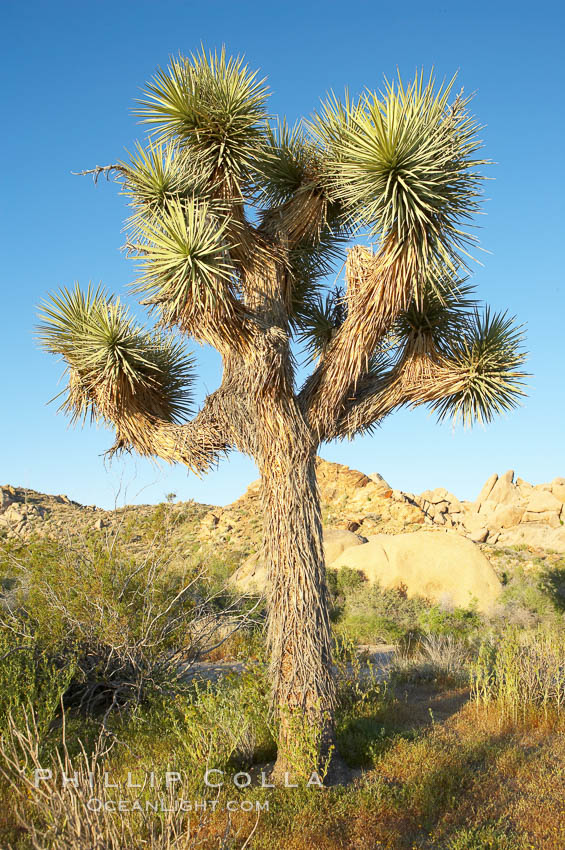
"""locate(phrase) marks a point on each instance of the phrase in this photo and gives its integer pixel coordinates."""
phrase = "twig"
(98, 170)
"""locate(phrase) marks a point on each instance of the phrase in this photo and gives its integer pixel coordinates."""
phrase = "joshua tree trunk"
(299, 629)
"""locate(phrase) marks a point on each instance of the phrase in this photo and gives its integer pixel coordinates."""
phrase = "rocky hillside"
(507, 512)
(26, 514)
(350, 500)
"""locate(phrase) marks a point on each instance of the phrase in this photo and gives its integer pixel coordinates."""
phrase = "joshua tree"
(237, 221)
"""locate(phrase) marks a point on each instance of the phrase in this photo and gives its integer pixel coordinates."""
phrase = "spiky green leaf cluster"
(106, 350)
(285, 163)
(185, 261)
(309, 265)
(214, 108)
(154, 178)
(443, 313)
(402, 162)
(322, 317)
(489, 359)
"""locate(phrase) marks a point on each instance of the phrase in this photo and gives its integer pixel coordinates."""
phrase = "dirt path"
(376, 658)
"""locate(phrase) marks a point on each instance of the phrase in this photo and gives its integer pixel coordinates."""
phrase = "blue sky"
(71, 73)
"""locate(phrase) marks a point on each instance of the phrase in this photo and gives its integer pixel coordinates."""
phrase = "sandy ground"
(376, 658)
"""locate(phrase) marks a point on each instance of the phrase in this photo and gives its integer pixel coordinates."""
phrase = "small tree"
(236, 221)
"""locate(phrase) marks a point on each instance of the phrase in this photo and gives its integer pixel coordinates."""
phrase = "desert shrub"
(343, 582)
(367, 627)
(245, 644)
(216, 724)
(362, 704)
(218, 566)
(529, 599)
(523, 672)
(552, 583)
(29, 680)
(370, 614)
(131, 622)
(459, 622)
(77, 816)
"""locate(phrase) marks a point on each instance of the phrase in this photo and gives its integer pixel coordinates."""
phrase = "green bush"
(529, 599)
(370, 628)
(552, 584)
(368, 613)
(460, 622)
(215, 724)
(31, 683)
(364, 707)
(131, 621)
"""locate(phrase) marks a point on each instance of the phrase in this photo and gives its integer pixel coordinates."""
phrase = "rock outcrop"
(252, 574)
(438, 565)
(351, 501)
(25, 512)
(506, 511)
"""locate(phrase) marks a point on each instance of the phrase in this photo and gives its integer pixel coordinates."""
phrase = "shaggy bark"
(299, 635)
(282, 444)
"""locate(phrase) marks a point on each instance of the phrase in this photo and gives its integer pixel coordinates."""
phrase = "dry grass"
(448, 774)
(53, 816)
(465, 784)
(436, 656)
(523, 673)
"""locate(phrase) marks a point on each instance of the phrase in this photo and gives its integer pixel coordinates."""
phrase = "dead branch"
(98, 170)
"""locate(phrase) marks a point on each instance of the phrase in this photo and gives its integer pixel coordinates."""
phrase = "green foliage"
(111, 359)
(31, 682)
(345, 581)
(217, 724)
(552, 583)
(442, 312)
(402, 163)
(155, 177)
(368, 613)
(287, 164)
(185, 261)
(370, 628)
(214, 108)
(63, 586)
(489, 358)
(460, 622)
(363, 705)
(483, 838)
(320, 320)
(528, 599)
(522, 672)
(129, 623)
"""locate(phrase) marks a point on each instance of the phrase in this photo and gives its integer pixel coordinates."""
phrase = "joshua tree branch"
(378, 288)
(416, 380)
(198, 444)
